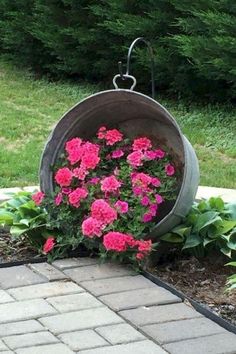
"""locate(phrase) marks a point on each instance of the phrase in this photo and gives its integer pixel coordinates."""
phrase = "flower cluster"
(109, 193)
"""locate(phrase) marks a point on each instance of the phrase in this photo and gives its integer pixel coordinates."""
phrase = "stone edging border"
(207, 312)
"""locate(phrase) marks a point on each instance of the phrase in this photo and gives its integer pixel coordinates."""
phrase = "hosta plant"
(209, 226)
(108, 194)
(231, 281)
(23, 217)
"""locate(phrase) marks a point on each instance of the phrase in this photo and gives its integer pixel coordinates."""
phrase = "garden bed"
(203, 281)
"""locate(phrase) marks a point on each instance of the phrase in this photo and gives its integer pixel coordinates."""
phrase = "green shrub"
(193, 42)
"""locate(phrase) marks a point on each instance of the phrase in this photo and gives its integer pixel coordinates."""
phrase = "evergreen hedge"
(194, 41)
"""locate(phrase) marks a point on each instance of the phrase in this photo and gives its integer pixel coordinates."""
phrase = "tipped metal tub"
(135, 114)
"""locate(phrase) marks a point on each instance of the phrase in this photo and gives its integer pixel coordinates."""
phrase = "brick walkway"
(78, 306)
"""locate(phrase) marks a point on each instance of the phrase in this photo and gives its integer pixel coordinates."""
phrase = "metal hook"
(120, 67)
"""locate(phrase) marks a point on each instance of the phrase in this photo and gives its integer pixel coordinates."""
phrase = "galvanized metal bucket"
(135, 114)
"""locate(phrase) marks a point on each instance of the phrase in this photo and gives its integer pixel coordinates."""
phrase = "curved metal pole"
(139, 39)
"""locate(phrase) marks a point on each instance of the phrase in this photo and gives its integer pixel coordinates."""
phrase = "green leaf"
(226, 250)
(206, 219)
(231, 264)
(6, 217)
(206, 241)
(181, 230)
(216, 203)
(171, 237)
(17, 230)
(231, 207)
(192, 241)
(202, 206)
(227, 225)
(232, 241)
(25, 222)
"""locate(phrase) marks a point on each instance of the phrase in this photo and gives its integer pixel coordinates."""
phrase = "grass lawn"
(29, 108)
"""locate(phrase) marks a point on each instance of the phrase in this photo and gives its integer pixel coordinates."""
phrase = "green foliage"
(231, 281)
(209, 226)
(194, 42)
(24, 218)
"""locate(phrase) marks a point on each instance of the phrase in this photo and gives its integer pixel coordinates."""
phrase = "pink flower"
(74, 150)
(153, 209)
(117, 154)
(103, 212)
(140, 256)
(122, 207)
(94, 180)
(38, 197)
(101, 133)
(110, 184)
(91, 227)
(135, 158)
(147, 217)
(142, 180)
(113, 136)
(156, 182)
(58, 199)
(76, 196)
(150, 155)
(142, 144)
(144, 246)
(145, 201)
(64, 177)
(159, 153)
(137, 190)
(89, 161)
(170, 170)
(158, 198)
(80, 173)
(49, 244)
(66, 190)
(117, 241)
(73, 144)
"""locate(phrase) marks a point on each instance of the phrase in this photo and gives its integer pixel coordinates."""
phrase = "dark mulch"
(14, 250)
(203, 281)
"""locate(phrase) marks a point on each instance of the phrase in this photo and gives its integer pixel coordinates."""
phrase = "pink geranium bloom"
(158, 198)
(144, 246)
(142, 180)
(135, 158)
(122, 207)
(147, 217)
(80, 173)
(73, 144)
(117, 154)
(117, 241)
(101, 133)
(76, 196)
(110, 184)
(159, 153)
(58, 199)
(156, 182)
(137, 190)
(150, 155)
(94, 180)
(49, 244)
(145, 201)
(66, 190)
(91, 227)
(153, 209)
(103, 212)
(142, 144)
(113, 136)
(89, 161)
(140, 256)
(170, 170)
(38, 197)
(64, 177)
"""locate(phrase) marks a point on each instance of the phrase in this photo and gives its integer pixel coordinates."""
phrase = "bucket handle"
(127, 74)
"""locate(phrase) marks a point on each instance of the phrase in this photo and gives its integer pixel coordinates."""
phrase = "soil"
(14, 250)
(201, 280)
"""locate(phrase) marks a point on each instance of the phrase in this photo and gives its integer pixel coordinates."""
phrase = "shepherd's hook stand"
(127, 74)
